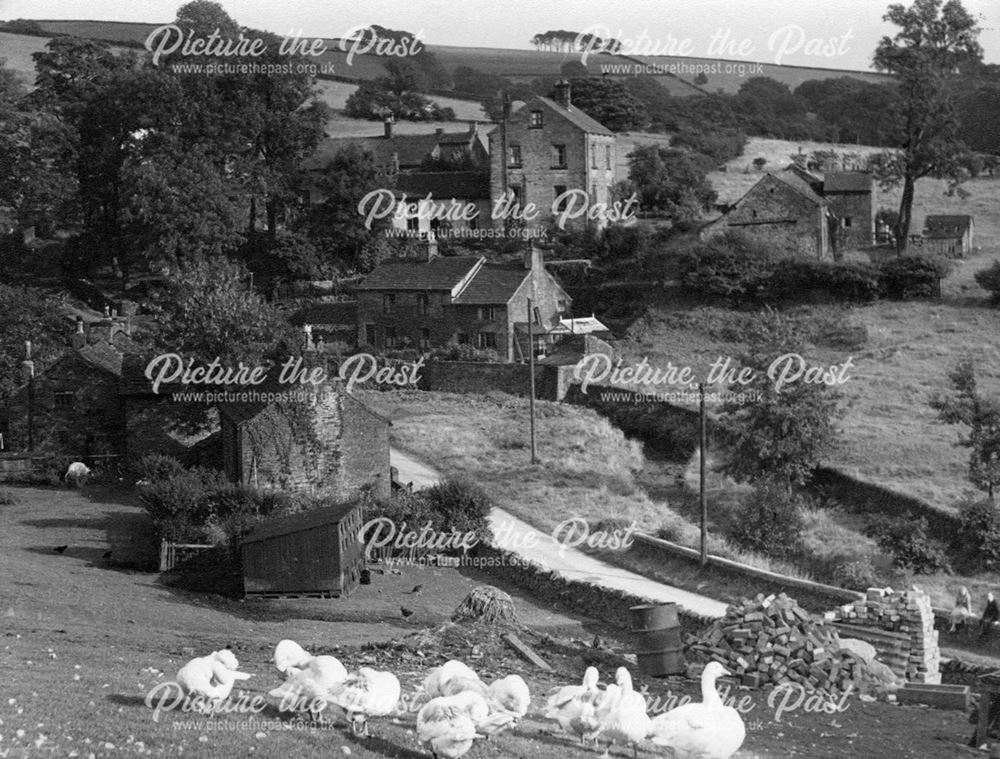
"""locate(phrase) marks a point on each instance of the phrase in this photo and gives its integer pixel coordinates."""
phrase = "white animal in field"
(512, 694)
(369, 693)
(574, 707)
(211, 677)
(77, 473)
(621, 714)
(434, 684)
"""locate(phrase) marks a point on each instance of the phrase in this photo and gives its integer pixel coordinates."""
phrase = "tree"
(934, 41)
(211, 311)
(609, 103)
(981, 414)
(398, 94)
(787, 431)
(27, 315)
(671, 182)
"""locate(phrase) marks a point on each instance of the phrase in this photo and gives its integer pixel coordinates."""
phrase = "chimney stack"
(564, 94)
(79, 338)
(473, 127)
(534, 259)
(389, 123)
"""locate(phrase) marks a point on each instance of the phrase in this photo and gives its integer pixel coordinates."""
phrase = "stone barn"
(317, 440)
(851, 201)
(784, 212)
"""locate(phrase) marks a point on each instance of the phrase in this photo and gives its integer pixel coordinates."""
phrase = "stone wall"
(551, 382)
(908, 612)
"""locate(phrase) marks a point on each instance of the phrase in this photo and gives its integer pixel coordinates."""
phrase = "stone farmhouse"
(459, 300)
(548, 147)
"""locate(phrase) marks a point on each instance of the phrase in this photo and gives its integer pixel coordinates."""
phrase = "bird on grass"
(60, 549)
(106, 555)
(417, 588)
(368, 693)
(407, 613)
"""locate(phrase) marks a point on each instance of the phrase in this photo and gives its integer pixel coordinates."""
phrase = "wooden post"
(531, 371)
(701, 484)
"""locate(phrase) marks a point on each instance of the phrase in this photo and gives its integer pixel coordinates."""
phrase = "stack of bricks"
(908, 612)
(772, 640)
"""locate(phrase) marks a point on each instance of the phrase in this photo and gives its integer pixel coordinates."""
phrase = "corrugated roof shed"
(847, 181)
(943, 226)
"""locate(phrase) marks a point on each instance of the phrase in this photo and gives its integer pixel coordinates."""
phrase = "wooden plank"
(525, 651)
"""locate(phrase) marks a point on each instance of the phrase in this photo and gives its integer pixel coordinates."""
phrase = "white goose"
(434, 683)
(369, 693)
(511, 693)
(621, 714)
(311, 684)
(289, 654)
(446, 726)
(574, 706)
(211, 677)
(709, 730)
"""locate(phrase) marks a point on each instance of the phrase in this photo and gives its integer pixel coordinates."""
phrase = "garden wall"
(551, 382)
(606, 604)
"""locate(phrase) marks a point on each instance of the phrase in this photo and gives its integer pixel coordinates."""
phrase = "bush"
(7, 498)
(466, 352)
(460, 505)
(730, 266)
(181, 504)
(770, 521)
(857, 575)
(156, 467)
(905, 277)
(979, 531)
(848, 282)
(907, 540)
(989, 279)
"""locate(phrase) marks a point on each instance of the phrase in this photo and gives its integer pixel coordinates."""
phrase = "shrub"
(730, 266)
(7, 498)
(979, 530)
(155, 467)
(460, 505)
(857, 575)
(466, 352)
(905, 277)
(770, 521)
(848, 282)
(181, 504)
(907, 540)
(989, 279)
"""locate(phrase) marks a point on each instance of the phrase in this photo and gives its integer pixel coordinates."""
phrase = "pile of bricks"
(908, 612)
(772, 640)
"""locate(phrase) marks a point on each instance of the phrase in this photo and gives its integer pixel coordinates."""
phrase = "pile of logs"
(772, 640)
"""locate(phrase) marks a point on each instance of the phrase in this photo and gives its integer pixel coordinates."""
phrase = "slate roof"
(103, 356)
(411, 149)
(492, 285)
(847, 181)
(340, 312)
(799, 185)
(574, 115)
(440, 273)
(469, 185)
(945, 226)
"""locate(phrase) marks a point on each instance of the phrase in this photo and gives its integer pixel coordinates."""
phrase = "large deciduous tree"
(934, 41)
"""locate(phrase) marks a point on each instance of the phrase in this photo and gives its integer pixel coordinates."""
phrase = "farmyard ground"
(82, 643)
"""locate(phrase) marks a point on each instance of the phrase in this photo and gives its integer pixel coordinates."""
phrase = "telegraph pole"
(531, 372)
(701, 487)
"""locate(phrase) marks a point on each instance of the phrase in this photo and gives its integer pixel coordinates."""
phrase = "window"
(425, 339)
(462, 338)
(487, 340)
(535, 120)
(558, 156)
(846, 221)
(607, 156)
(558, 190)
(368, 335)
(422, 304)
(562, 306)
(388, 303)
(390, 337)
(514, 155)
(486, 313)
(593, 194)
(537, 314)
(65, 400)
(593, 156)
(412, 217)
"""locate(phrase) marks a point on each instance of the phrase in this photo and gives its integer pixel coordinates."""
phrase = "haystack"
(488, 605)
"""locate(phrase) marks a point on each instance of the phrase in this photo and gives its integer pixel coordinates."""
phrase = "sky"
(830, 34)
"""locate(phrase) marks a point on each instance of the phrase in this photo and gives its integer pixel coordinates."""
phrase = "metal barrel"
(657, 635)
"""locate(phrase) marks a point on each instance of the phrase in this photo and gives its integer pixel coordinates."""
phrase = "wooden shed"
(316, 554)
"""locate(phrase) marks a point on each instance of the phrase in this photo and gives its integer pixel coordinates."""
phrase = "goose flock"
(457, 707)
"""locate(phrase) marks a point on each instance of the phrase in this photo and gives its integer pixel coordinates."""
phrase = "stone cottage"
(851, 199)
(546, 148)
(331, 444)
(458, 300)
